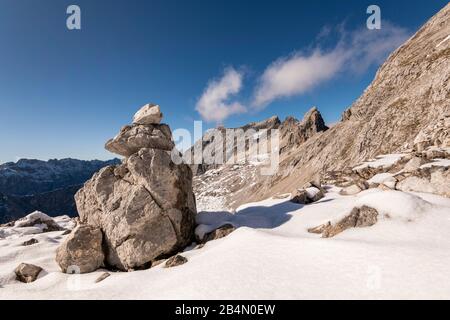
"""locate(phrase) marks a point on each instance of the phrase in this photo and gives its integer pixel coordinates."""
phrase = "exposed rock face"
(27, 273)
(358, 218)
(434, 180)
(436, 134)
(82, 249)
(293, 133)
(148, 114)
(409, 95)
(220, 187)
(144, 207)
(209, 140)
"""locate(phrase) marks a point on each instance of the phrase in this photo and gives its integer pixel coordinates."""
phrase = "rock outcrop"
(226, 186)
(144, 207)
(405, 107)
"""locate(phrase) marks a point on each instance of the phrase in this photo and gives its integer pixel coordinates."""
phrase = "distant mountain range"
(49, 186)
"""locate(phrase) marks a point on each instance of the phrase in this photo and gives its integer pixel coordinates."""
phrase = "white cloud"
(295, 75)
(354, 53)
(214, 104)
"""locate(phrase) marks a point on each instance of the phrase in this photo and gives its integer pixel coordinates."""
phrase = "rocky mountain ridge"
(28, 185)
(405, 108)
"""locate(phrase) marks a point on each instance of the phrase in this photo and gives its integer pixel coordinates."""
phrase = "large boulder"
(144, 207)
(81, 251)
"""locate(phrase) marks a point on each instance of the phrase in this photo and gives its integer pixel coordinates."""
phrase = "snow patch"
(384, 161)
(437, 163)
(445, 40)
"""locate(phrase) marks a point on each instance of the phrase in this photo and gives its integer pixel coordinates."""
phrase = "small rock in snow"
(30, 242)
(175, 261)
(27, 273)
(102, 277)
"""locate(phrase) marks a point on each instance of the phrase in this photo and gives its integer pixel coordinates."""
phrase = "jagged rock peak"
(270, 123)
(313, 119)
(145, 132)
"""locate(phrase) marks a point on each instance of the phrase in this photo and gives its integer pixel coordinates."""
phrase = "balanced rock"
(82, 251)
(144, 207)
(135, 137)
(148, 114)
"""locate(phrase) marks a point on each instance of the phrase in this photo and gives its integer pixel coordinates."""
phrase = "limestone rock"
(350, 190)
(434, 180)
(27, 273)
(436, 134)
(81, 251)
(413, 164)
(299, 196)
(175, 261)
(148, 114)
(220, 232)
(135, 137)
(358, 218)
(307, 195)
(145, 208)
(38, 218)
(102, 277)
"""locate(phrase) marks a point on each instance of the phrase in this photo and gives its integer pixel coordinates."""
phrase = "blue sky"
(64, 93)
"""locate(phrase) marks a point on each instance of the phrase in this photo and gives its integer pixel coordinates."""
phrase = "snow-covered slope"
(272, 256)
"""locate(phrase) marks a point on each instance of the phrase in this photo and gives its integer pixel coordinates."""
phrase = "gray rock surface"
(174, 261)
(144, 207)
(135, 137)
(220, 232)
(148, 114)
(81, 251)
(102, 277)
(358, 218)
